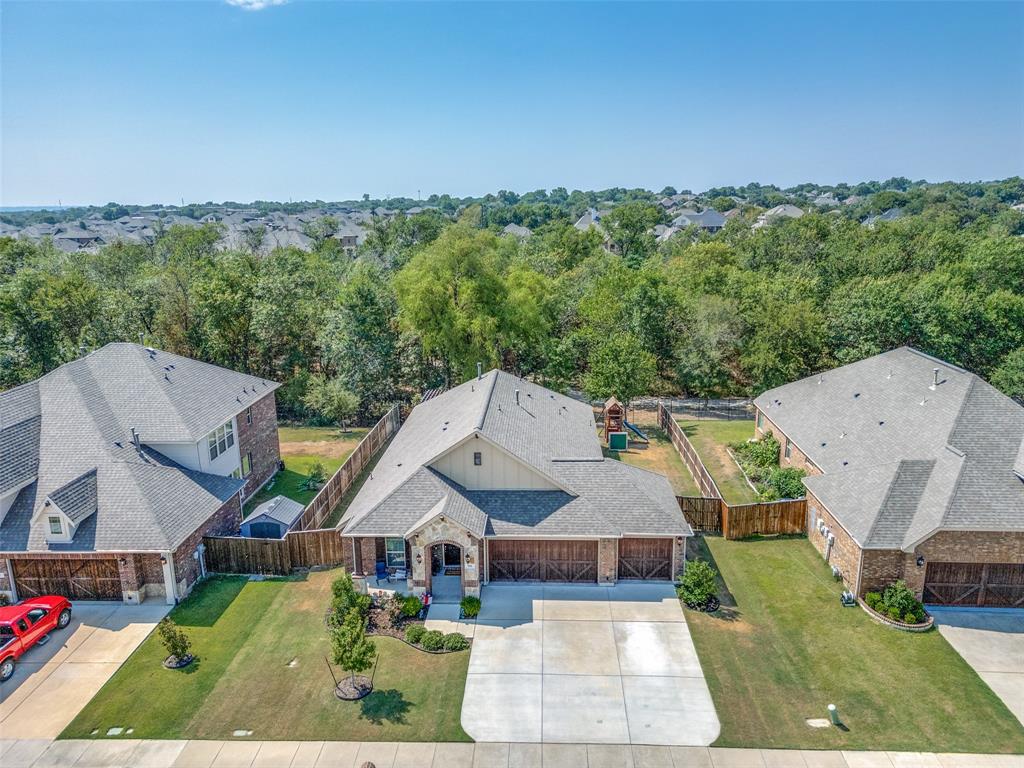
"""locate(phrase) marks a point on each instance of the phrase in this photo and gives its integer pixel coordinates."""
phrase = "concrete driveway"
(991, 641)
(53, 682)
(586, 664)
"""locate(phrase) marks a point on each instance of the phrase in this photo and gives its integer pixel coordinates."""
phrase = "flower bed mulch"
(881, 618)
(353, 689)
(173, 662)
(379, 623)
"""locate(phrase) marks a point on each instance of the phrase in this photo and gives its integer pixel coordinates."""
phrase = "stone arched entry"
(441, 530)
(445, 571)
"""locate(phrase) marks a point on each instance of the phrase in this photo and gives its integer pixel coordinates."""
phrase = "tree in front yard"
(351, 649)
(697, 584)
(174, 638)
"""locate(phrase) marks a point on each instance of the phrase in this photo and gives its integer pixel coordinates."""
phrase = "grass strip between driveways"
(783, 649)
(261, 667)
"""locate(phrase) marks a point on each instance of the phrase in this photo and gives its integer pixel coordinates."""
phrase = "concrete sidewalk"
(134, 753)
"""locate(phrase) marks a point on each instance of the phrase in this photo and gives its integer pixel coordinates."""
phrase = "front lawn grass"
(782, 649)
(710, 437)
(262, 650)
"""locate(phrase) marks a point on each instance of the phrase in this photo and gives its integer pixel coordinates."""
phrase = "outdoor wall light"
(920, 561)
(163, 560)
(419, 558)
(469, 558)
(122, 561)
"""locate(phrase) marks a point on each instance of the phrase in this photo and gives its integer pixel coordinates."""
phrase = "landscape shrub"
(432, 640)
(783, 483)
(455, 642)
(174, 638)
(697, 583)
(317, 476)
(393, 606)
(470, 606)
(758, 453)
(893, 613)
(415, 633)
(899, 597)
(872, 599)
(344, 597)
(911, 618)
(411, 606)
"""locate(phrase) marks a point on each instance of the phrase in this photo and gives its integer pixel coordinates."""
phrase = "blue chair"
(382, 572)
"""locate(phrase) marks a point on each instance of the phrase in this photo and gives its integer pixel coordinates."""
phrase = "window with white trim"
(760, 419)
(56, 527)
(789, 448)
(248, 415)
(247, 464)
(237, 473)
(220, 440)
(394, 548)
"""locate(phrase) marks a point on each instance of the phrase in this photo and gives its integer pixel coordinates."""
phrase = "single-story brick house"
(500, 479)
(114, 466)
(915, 472)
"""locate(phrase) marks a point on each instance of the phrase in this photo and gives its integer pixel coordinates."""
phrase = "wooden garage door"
(979, 584)
(532, 560)
(645, 559)
(74, 579)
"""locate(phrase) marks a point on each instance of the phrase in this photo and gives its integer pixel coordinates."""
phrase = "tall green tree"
(620, 367)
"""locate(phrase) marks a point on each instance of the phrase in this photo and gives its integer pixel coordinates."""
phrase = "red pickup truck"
(25, 624)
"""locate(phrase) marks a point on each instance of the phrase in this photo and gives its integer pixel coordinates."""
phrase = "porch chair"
(400, 574)
(382, 572)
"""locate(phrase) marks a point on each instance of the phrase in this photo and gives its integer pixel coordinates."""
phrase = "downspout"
(170, 585)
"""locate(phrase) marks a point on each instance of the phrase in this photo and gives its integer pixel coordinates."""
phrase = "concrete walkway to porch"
(121, 753)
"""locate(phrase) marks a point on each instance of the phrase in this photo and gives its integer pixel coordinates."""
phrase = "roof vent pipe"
(135, 439)
(517, 397)
(142, 338)
(935, 378)
(479, 370)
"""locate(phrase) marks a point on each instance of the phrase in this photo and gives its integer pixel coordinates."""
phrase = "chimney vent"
(935, 378)
(135, 439)
(142, 338)
(517, 397)
(479, 370)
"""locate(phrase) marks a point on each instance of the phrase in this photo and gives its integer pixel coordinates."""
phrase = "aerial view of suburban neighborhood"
(428, 385)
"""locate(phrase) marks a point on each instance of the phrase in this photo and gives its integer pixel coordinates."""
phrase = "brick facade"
(260, 440)
(678, 557)
(797, 458)
(142, 573)
(844, 553)
(607, 561)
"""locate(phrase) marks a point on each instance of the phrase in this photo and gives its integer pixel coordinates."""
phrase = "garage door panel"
(542, 560)
(975, 584)
(642, 558)
(92, 579)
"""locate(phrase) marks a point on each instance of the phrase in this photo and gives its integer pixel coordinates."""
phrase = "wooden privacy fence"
(298, 549)
(705, 482)
(738, 521)
(320, 508)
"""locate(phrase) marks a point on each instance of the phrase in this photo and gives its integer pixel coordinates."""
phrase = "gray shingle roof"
(77, 499)
(280, 508)
(902, 455)
(20, 419)
(79, 418)
(553, 434)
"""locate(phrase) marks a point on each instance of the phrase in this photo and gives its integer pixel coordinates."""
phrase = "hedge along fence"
(323, 504)
(705, 482)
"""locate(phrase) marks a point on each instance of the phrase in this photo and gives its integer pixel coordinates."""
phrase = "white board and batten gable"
(477, 464)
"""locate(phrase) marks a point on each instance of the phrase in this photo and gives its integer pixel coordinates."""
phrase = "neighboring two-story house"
(499, 479)
(114, 466)
(915, 472)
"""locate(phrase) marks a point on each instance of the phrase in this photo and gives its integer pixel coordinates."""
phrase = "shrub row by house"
(760, 460)
(898, 603)
(432, 640)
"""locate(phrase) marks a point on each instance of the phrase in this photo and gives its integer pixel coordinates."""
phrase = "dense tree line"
(427, 296)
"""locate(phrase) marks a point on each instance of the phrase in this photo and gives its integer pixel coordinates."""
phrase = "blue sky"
(153, 102)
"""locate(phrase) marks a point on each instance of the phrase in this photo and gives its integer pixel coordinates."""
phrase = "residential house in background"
(891, 214)
(114, 466)
(784, 211)
(915, 472)
(709, 220)
(500, 479)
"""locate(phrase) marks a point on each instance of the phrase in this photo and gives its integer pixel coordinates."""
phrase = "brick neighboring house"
(114, 466)
(915, 472)
(500, 479)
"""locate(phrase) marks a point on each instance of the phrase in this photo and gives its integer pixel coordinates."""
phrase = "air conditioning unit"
(831, 539)
(836, 573)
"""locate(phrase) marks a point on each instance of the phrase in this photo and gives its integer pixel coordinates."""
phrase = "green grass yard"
(261, 649)
(782, 649)
(710, 437)
(301, 447)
